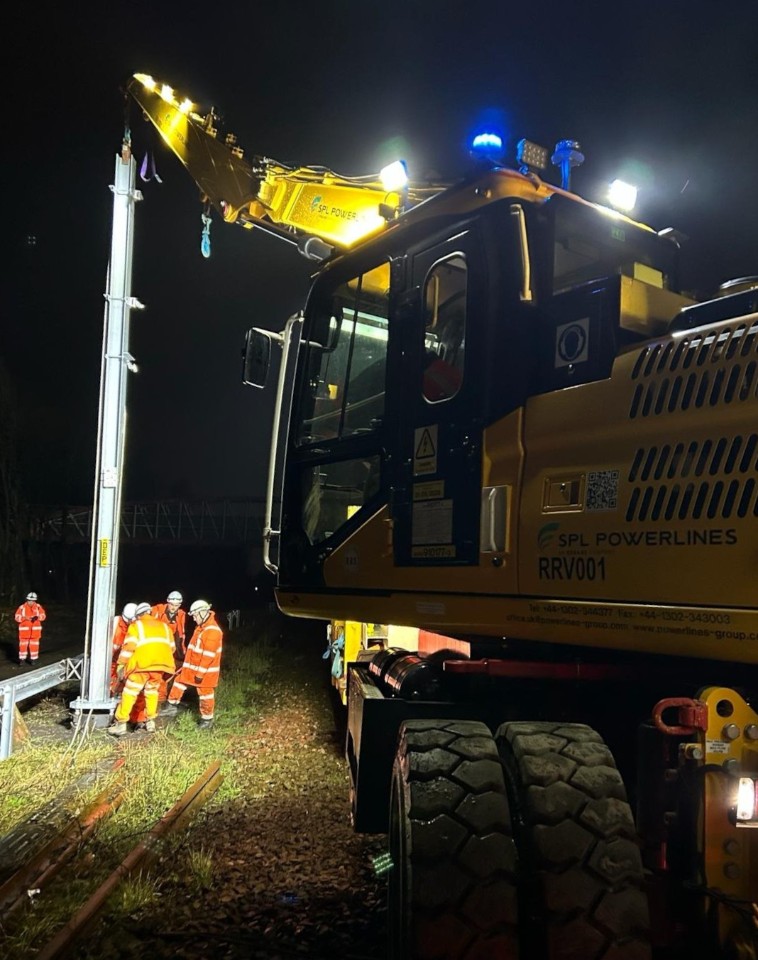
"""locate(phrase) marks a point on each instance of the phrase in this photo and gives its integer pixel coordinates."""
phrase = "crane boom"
(295, 202)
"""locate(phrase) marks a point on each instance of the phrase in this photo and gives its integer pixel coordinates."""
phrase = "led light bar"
(531, 155)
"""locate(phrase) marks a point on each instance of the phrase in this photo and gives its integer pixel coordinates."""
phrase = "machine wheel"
(452, 888)
(582, 892)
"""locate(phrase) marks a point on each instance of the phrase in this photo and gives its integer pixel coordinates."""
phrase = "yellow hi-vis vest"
(148, 646)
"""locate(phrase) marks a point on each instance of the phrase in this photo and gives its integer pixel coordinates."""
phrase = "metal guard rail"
(16, 689)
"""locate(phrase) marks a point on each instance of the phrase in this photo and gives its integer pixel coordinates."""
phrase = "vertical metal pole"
(116, 362)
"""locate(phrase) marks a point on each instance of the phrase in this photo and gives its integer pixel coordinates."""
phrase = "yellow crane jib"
(222, 174)
(304, 201)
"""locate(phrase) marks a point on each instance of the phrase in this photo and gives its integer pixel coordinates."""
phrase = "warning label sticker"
(572, 342)
(432, 522)
(431, 490)
(425, 450)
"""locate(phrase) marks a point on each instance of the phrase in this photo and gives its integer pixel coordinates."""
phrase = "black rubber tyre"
(582, 896)
(452, 888)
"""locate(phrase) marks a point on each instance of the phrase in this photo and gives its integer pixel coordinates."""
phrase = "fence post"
(6, 732)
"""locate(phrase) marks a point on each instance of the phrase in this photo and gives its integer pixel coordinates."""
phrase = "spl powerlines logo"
(546, 535)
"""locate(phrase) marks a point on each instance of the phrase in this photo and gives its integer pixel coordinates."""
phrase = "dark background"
(664, 94)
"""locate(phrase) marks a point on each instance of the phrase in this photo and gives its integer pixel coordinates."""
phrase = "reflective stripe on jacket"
(148, 645)
(28, 610)
(202, 662)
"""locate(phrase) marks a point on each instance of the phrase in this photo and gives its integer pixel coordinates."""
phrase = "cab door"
(437, 393)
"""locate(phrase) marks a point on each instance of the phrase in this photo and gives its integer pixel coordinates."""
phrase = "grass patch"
(200, 866)
(41, 771)
(39, 926)
(158, 769)
(134, 894)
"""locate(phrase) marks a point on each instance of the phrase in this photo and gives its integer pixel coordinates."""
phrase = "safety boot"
(205, 723)
(150, 726)
(117, 729)
(169, 709)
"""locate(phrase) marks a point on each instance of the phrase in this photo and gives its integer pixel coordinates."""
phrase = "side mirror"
(256, 357)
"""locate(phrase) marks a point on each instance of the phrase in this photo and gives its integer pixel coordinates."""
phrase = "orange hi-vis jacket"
(202, 662)
(120, 626)
(178, 625)
(148, 646)
(28, 628)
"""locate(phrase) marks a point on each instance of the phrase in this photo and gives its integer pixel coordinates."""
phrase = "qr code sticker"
(602, 490)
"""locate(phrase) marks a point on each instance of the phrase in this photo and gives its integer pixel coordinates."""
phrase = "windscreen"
(342, 393)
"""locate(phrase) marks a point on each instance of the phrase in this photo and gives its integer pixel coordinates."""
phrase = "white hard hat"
(142, 609)
(174, 597)
(31, 596)
(130, 611)
(199, 606)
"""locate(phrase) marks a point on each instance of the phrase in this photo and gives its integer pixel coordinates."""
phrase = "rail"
(16, 689)
(138, 858)
(59, 850)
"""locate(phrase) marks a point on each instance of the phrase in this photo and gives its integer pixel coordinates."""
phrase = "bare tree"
(11, 504)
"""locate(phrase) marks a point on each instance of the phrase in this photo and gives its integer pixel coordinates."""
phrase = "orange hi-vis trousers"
(146, 682)
(206, 696)
(28, 641)
(166, 682)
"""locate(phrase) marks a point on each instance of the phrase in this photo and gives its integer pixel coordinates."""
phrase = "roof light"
(185, 106)
(622, 195)
(167, 93)
(394, 176)
(487, 142)
(530, 156)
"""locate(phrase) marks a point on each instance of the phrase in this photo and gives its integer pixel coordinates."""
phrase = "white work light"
(394, 176)
(622, 196)
(747, 803)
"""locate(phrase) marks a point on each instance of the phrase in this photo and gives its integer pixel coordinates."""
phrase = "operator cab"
(418, 339)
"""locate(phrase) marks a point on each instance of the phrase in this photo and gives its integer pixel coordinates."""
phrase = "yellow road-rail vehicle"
(500, 421)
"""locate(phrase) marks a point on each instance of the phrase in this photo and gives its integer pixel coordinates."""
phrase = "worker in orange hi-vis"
(202, 665)
(138, 714)
(29, 617)
(171, 613)
(147, 657)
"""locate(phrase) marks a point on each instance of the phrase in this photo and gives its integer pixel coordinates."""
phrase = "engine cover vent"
(701, 369)
(713, 479)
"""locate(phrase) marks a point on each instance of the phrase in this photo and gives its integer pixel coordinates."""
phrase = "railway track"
(62, 846)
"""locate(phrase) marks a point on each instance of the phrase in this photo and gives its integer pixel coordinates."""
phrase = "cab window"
(592, 243)
(343, 392)
(444, 328)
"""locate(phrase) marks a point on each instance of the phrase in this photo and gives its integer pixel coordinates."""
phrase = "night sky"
(662, 93)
